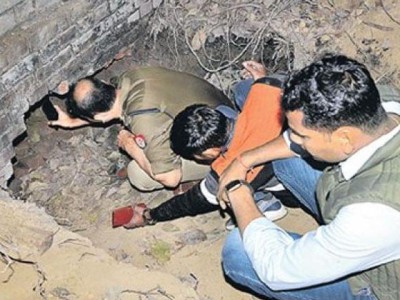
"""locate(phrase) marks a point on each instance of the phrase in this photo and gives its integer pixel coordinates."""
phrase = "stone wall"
(43, 42)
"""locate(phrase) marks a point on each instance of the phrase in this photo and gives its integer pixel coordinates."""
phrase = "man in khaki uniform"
(146, 100)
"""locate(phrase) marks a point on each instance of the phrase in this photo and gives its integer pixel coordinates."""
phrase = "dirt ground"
(70, 175)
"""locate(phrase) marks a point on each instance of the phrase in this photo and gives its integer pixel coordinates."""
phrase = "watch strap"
(236, 184)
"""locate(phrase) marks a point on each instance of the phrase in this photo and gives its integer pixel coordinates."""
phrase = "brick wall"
(43, 42)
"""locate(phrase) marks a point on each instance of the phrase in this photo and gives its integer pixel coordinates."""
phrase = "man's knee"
(140, 180)
(230, 259)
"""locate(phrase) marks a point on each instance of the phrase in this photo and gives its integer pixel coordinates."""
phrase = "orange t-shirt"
(259, 122)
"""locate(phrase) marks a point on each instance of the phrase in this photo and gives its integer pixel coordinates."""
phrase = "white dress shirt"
(331, 251)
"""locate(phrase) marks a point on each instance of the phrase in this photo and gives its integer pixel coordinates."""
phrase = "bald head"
(90, 96)
(83, 90)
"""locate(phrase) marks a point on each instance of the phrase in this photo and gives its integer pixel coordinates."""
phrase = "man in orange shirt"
(205, 134)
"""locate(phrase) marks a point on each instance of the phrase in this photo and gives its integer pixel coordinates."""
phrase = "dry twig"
(154, 291)
(387, 13)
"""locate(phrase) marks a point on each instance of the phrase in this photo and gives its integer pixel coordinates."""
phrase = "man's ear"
(345, 137)
(61, 91)
(63, 87)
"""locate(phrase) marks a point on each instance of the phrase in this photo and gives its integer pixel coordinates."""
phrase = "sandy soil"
(75, 267)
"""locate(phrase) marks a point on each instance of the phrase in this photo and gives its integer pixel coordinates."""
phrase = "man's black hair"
(198, 128)
(100, 99)
(332, 92)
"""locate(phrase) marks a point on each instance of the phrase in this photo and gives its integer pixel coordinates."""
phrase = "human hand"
(253, 69)
(224, 201)
(65, 121)
(234, 171)
(125, 138)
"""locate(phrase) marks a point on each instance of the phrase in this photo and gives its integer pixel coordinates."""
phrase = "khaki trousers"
(139, 179)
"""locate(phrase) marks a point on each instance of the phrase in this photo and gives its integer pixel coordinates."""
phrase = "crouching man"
(145, 100)
(335, 114)
(203, 133)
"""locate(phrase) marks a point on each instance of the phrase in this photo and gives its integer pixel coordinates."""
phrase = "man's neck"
(371, 143)
(388, 125)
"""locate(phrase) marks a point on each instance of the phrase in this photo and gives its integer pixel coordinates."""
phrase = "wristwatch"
(236, 184)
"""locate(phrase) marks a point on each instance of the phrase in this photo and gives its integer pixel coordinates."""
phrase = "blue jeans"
(301, 179)
(240, 92)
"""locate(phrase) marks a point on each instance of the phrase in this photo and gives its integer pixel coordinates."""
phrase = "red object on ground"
(122, 173)
(122, 216)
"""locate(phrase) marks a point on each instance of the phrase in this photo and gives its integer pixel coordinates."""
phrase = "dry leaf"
(199, 39)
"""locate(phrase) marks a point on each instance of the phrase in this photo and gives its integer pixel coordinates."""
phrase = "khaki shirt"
(152, 97)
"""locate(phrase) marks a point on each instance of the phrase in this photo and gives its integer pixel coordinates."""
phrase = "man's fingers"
(120, 140)
(53, 123)
(124, 138)
(63, 87)
(256, 69)
(122, 133)
(252, 65)
(222, 204)
(245, 74)
(223, 199)
(219, 195)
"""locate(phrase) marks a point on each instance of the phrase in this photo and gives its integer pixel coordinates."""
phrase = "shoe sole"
(274, 215)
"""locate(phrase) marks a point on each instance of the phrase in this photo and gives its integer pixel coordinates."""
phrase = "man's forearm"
(64, 120)
(78, 123)
(244, 207)
(138, 155)
(170, 179)
(275, 149)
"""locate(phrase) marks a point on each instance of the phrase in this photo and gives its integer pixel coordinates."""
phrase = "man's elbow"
(169, 179)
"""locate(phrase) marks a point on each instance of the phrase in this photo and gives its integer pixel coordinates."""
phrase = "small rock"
(54, 163)
(114, 156)
(169, 227)
(191, 280)
(193, 237)
(37, 185)
(62, 293)
(325, 38)
(15, 186)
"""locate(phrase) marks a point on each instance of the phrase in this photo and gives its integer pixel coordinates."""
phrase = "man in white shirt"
(335, 115)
